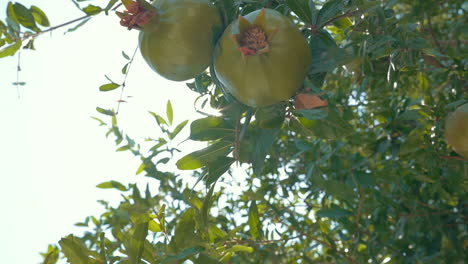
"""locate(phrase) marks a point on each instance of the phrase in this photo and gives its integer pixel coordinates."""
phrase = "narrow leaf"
(210, 128)
(105, 111)
(217, 168)
(112, 184)
(204, 156)
(169, 112)
(254, 221)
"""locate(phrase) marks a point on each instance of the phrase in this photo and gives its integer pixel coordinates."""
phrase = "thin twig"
(18, 69)
(347, 14)
(453, 158)
(125, 79)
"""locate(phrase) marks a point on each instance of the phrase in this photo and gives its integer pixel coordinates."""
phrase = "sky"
(53, 153)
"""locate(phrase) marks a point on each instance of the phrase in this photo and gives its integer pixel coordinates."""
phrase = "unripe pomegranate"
(177, 36)
(456, 130)
(262, 58)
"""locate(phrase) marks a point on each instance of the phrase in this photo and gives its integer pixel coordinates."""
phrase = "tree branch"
(431, 30)
(26, 36)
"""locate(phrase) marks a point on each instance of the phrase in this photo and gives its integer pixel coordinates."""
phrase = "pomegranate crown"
(137, 14)
(254, 37)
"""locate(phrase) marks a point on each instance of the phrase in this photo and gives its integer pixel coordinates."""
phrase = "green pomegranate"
(177, 36)
(262, 58)
(456, 130)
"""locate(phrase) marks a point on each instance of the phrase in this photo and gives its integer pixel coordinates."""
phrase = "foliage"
(366, 179)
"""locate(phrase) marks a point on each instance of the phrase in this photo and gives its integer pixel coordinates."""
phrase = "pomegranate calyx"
(136, 15)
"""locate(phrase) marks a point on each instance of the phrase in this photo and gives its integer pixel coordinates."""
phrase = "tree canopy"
(354, 168)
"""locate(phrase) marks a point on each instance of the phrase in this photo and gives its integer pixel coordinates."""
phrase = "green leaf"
(217, 168)
(78, 25)
(241, 248)
(137, 241)
(110, 5)
(112, 184)
(159, 119)
(39, 16)
(124, 68)
(74, 250)
(105, 111)
(11, 13)
(25, 17)
(204, 156)
(92, 10)
(333, 213)
(271, 117)
(154, 227)
(326, 55)
(178, 128)
(141, 168)
(125, 55)
(169, 112)
(11, 49)
(184, 234)
(254, 221)
(301, 9)
(202, 81)
(210, 128)
(51, 256)
(331, 127)
(312, 114)
(108, 87)
(329, 10)
(184, 254)
(263, 142)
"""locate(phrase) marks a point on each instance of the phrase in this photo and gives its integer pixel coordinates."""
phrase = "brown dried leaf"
(309, 101)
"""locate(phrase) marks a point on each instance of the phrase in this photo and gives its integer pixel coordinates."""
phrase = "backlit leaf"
(204, 156)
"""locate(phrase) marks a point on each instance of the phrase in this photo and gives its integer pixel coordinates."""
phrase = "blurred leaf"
(184, 254)
(78, 25)
(184, 234)
(204, 156)
(159, 119)
(241, 248)
(331, 127)
(11, 49)
(169, 112)
(334, 213)
(74, 250)
(105, 111)
(108, 87)
(125, 55)
(217, 168)
(39, 16)
(92, 10)
(24, 16)
(254, 221)
(178, 128)
(326, 55)
(210, 128)
(312, 114)
(154, 227)
(263, 142)
(328, 11)
(301, 9)
(136, 244)
(51, 256)
(112, 184)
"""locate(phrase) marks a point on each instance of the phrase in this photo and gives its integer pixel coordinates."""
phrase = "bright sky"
(52, 153)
